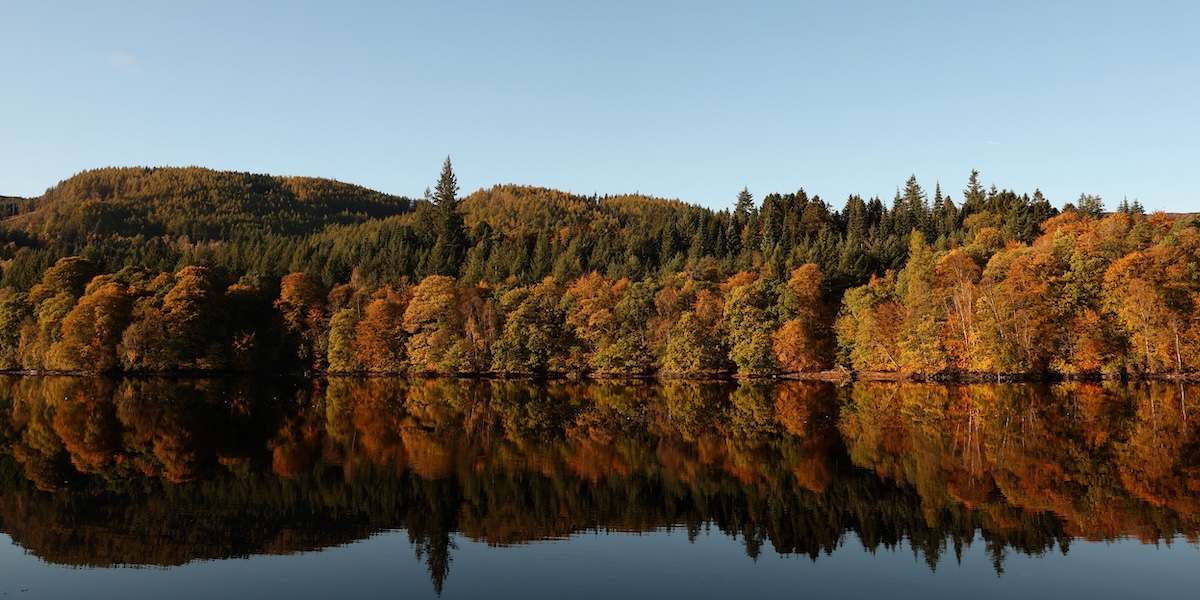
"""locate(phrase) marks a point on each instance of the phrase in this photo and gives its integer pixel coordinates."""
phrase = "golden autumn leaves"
(1087, 297)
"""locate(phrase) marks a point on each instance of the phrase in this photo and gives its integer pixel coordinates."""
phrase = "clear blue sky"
(689, 100)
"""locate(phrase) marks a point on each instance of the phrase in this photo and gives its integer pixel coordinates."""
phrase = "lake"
(200, 488)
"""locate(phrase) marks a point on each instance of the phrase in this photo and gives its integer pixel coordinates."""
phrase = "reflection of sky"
(611, 565)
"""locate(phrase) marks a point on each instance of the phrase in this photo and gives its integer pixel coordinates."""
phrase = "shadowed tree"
(301, 304)
(93, 329)
(379, 338)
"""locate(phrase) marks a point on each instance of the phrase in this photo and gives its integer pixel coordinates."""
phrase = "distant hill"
(201, 204)
(529, 210)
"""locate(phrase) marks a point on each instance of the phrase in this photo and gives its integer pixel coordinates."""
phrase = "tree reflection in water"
(105, 472)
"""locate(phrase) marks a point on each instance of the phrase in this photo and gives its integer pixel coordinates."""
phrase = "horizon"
(687, 101)
(833, 206)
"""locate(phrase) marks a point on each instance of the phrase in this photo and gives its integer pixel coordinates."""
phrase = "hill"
(266, 226)
(201, 204)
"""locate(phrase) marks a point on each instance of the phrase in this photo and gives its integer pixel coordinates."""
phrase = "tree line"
(533, 281)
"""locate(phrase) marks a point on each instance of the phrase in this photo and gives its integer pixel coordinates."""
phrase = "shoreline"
(840, 376)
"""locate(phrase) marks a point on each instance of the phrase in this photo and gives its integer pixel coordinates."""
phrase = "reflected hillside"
(102, 472)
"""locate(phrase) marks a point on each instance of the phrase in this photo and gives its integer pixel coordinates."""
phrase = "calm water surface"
(415, 488)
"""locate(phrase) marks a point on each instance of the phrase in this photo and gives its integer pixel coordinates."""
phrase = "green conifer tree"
(450, 249)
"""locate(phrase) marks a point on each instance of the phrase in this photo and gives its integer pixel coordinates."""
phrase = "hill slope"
(201, 204)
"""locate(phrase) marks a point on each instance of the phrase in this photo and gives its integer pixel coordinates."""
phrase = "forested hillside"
(190, 269)
(162, 217)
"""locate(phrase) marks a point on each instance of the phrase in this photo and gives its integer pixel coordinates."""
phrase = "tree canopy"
(169, 269)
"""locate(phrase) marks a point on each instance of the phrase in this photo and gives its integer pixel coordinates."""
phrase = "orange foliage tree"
(804, 341)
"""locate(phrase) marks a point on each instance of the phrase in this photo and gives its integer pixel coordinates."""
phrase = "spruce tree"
(916, 207)
(973, 194)
(1091, 205)
(450, 249)
(745, 204)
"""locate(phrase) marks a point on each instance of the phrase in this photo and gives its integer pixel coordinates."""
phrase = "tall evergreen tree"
(915, 208)
(450, 249)
(1091, 205)
(745, 204)
(973, 194)
(940, 227)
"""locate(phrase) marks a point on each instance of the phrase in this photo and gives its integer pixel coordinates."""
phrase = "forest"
(146, 270)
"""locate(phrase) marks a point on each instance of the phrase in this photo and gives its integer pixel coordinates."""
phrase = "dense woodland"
(187, 269)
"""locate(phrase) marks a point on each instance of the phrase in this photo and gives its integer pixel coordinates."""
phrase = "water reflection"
(102, 472)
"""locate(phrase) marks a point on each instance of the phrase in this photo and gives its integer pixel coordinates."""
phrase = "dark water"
(410, 488)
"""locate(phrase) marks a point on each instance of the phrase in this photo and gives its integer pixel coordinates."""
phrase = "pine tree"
(1091, 205)
(745, 205)
(973, 194)
(940, 227)
(916, 207)
(450, 249)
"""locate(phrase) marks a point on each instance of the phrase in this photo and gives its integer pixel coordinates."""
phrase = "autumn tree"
(44, 330)
(379, 338)
(1087, 334)
(251, 328)
(629, 352)
(190, 310)
(921, 347)
(1014, 312)
(14, 310)
(955, 278)
(51, 300)
(434, 326)
(805, 340)
(591, 304)
(535, 338)
(675, 295)
(748, 326)
(301, 305)
(869, 325)
(694, 347)
(697, 344)
(1149, 293)
(481, 326)
(340, 353)
(69, 275)
(93, 329)
(146, 345)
